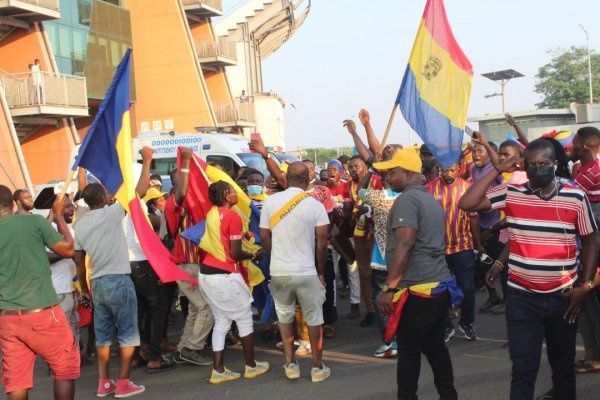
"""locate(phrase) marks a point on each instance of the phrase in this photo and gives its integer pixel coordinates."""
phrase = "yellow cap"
(284, 167)
(153, 193)
(407, 158)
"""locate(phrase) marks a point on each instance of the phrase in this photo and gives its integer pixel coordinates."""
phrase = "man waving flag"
(107, 153)
(434, 96)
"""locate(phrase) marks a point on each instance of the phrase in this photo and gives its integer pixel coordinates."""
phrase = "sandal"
(328, 332)
(585, 367)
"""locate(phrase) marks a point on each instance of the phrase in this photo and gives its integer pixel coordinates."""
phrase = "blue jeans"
(115, 310)
(462, 265)
(531, 318)
(378, 278)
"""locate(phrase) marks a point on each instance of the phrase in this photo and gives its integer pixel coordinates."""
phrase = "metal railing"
(217, 47)
(218, 4)
(231, 113)
(49, 4)
(29, 89)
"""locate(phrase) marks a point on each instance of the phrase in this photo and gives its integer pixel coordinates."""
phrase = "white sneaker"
(320, 374)
(292, 370)
(303, 349)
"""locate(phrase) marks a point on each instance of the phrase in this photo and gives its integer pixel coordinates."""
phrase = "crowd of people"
(406, 241)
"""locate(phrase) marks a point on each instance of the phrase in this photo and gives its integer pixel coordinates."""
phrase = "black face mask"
(540, 177)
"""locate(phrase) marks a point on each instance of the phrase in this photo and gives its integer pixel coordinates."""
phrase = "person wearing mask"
(545, 297)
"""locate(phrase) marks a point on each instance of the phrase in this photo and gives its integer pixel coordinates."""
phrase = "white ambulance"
(230, 152)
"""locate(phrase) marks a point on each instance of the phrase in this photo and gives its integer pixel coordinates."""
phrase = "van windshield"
(254, 160)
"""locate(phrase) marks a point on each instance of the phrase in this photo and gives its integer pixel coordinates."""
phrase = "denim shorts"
(115, 310)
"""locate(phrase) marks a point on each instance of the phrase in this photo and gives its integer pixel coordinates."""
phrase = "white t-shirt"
(133, 243)
(63, 271)
(293, 238)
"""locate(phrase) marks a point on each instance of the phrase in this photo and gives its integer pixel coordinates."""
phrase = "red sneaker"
(106, 387)
(126, 388)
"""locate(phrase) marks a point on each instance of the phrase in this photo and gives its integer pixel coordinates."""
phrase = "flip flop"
(585, 368)
(163, 367)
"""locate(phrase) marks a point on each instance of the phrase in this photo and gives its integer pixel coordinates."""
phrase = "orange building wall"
(168, 83)
(10, 169)
(48, 151)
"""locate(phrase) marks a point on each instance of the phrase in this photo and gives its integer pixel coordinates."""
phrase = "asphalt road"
(481, 370)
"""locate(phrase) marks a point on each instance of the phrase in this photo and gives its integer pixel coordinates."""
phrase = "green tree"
(565, 78)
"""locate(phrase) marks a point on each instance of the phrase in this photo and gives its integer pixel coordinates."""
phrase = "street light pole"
(297, 130)
(587, 42)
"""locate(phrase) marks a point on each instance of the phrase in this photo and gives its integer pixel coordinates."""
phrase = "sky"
(351, 54)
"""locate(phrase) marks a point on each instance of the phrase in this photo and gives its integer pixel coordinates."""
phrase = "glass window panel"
(64, 37)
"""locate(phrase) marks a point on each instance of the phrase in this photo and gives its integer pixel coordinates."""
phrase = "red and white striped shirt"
(588, 177)
(543, 232)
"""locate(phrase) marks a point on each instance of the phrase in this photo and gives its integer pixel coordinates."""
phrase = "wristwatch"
(385, 288)
(590, 284)
(267, 156)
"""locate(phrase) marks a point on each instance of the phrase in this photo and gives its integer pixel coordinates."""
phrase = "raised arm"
(363, 151)
(65, 247)
(259, 147)
(183, 181)
(521, 135)
(480, 138)
(144, 181)
(365, 120)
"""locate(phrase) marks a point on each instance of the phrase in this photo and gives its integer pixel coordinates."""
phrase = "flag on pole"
(435, 90)
(107, 153)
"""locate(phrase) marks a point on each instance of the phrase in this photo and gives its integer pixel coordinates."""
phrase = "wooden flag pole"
(389, 126)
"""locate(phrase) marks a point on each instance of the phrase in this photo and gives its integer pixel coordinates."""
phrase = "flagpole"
(389, 126)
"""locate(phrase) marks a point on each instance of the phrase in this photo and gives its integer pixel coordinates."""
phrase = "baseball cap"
(407, 158)
(153, 193)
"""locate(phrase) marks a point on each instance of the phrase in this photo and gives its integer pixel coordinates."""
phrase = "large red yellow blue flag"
(434, 96)
(107, 153)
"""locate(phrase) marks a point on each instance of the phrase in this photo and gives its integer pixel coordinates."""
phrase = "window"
(162, 166)
(226, 163)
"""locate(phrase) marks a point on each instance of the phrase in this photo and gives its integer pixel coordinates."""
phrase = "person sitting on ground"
(222, 283)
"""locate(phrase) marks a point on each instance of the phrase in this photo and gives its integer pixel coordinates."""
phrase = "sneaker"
(292, 370)
(490, 303)
(106, 387)
(319, 374)
(368, 320)
(177, 358)
(303, 349)
(195, 357)
(126, 388)
(500, 309)
(253, 372)
(468, 330)
(226, 375)
(386, 350)
(448, 334)
(549, 395)
(279, 345)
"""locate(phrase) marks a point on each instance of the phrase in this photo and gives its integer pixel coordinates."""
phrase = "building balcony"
(238, 114)
(21, 13)
(44, 96)
(216, 52)
(203, 8)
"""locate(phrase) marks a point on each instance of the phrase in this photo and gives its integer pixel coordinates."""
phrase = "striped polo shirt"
(458, 225)
(588, 177)
(543, 232)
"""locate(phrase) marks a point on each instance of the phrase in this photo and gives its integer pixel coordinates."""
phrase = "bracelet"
(184, 170)
(498, 264)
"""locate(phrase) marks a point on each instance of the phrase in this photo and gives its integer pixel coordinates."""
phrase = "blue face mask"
(158, 213)
(254, 190)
